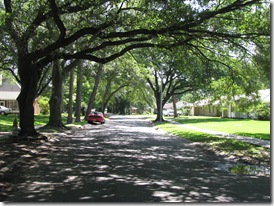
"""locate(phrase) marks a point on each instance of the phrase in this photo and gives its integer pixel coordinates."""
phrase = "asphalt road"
(128, 160)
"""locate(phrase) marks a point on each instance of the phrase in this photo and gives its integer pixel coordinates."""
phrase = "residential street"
(128, 160)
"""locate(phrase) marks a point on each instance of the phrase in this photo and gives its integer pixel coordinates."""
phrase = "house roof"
(9, 90)
(8, 85)
(204, 102)
(265, 95)
(6, 95)
(179, 105)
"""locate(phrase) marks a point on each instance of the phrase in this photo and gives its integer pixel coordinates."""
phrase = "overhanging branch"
(57, 19)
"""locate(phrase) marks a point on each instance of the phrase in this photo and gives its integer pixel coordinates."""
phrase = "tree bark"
(158, 117)
(55, 118)
(94, 91)
(174, 106)
(70, 104)
(29, 80)
(79, 91)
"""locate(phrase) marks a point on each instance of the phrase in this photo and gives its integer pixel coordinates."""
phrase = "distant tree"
(174, 72)
(94, 90)
(71, 92)
(78, 105)
(60, 72)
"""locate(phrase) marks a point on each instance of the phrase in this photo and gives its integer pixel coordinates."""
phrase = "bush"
(260, 111)
(186, 111)
(44, 105)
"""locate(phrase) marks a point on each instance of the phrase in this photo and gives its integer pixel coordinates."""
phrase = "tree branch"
(57, 20)
(8, 7)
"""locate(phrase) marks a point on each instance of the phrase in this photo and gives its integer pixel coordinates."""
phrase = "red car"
(96, 117)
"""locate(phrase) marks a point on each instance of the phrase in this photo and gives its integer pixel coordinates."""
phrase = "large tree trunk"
(29, 80)
(159, 115)
(79, 91)
(94, 91)
(55, 118)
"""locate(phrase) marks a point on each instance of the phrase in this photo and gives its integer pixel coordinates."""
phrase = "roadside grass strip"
(6, 122)
(242, 127)
(224, 146)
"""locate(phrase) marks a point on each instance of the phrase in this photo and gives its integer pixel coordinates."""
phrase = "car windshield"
(96, 113)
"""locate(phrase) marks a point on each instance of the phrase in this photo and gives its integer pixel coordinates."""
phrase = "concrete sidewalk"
(255, 141)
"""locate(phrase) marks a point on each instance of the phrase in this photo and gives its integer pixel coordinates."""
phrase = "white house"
(208, 108)
(9, 91)
(264, 96)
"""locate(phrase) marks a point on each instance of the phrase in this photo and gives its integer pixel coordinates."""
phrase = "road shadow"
(127, 160)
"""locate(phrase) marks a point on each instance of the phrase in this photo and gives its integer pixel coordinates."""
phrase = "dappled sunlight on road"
(127, 160)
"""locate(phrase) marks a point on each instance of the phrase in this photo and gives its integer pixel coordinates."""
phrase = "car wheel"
(103, 122)
(2, 113)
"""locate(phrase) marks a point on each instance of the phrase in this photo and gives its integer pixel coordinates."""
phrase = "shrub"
(186, 111)
(260, 111)
(44, 105)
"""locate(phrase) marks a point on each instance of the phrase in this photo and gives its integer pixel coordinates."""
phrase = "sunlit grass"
(6, 121)
(228, 146)
(243, 127)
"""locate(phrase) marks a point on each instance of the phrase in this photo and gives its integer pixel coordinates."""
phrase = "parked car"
(94, 117)
(171, 113)
(4, 110)
(168, 112)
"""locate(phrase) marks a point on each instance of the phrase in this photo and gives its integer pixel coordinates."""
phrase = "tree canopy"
(37, 32)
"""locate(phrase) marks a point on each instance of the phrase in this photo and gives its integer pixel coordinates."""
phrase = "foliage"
(262, 61)
(44, 105)
(36, 33)
(190, 97)
(186, 111)
(260, 111)
(243, 104)
(122, 80)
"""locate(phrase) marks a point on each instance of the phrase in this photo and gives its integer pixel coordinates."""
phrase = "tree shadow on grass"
(133, 162)
(240, 150)
(262, 136)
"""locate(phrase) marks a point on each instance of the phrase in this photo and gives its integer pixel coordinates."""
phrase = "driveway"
(128, 160)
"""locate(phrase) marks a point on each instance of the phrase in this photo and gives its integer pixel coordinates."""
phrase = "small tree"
(260, 111)
(44, 105)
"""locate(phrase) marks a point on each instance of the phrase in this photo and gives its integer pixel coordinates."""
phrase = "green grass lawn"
(243, 127)
(224, 145)
(6, 121)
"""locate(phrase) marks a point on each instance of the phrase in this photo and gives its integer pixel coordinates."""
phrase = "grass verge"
(243, 127)
(223, 146)
(6, 122)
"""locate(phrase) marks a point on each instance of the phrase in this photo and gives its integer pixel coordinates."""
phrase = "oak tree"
(121, 26)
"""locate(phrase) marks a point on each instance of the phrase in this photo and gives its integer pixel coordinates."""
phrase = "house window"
(13, 105)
